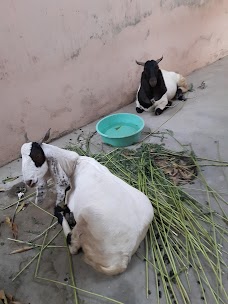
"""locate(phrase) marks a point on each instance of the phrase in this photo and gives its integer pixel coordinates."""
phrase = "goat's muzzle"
(30, 183)
(153, 82)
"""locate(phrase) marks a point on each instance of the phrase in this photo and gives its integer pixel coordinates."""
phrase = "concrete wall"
(66, 63)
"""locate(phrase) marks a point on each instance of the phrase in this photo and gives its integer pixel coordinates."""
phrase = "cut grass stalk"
(23, 242)
(202, 276)
(42, 233)
(41, 250)
(163, 273)
(167, 249)
(146, 263)
(45, 211)
(81, 290)
(35, 245)
(18, 201)
(173, 264)
(154, 262)
(72, 273)
(218, 268)
(15, 212)
(33, 259)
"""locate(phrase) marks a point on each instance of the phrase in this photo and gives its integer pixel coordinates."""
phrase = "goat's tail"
(182, 84)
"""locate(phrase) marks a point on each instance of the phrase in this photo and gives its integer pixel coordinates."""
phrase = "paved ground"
(202, 121)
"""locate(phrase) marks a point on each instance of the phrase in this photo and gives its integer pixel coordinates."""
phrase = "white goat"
(112, 217)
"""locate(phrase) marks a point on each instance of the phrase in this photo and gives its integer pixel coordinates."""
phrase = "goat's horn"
(140, 63)
(46, 137)
(160, 59)
(26, 137)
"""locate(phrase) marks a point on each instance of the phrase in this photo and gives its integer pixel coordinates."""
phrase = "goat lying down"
(112, 217)
(158, 87)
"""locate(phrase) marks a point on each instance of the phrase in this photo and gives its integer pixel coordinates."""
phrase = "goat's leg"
(161, 104)
(65, 211)
(138, 107)
(179, 94)
(73, 241)
(69, 216)
(61, 187)
(147, 103)
(139, 110)
(72, 236)
(62, 182)
(41, 191)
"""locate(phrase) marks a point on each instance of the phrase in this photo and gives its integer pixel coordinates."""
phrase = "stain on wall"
(69, 63)
(171, 4)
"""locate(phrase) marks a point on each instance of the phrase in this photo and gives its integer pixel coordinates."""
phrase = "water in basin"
(121, 130)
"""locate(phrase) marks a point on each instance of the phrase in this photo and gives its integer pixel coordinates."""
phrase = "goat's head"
(34, 163)
(151, 70)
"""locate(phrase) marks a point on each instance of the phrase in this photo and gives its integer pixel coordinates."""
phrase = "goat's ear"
(161, 85)
(160, 59)
(46, 137)
(26, 137)
(140, 63)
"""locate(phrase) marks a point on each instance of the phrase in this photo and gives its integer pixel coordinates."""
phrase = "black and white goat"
(112, 217)
(158, 87)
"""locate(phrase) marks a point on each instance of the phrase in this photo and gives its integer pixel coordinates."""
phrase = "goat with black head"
(158, 87)
(38, 165)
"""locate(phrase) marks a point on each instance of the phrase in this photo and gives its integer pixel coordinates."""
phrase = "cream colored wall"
(66, 63)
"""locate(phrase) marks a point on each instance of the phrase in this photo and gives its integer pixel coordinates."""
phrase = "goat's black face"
(151, 70)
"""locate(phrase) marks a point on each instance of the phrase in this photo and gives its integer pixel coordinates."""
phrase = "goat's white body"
(112, 217)
(172, 81)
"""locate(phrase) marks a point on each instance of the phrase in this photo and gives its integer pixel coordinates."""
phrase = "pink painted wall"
(66, 63)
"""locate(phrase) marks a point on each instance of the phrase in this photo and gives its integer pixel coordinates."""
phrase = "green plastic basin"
(121, 129)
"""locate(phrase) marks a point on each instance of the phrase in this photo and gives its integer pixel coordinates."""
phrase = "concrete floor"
(202, 121)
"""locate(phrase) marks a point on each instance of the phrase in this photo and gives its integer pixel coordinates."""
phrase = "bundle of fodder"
(183, 236)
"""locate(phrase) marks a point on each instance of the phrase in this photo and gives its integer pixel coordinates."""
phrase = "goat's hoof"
(181, 97)
(139, 110)
(74, 250)
(169, 104)
(158, 111)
